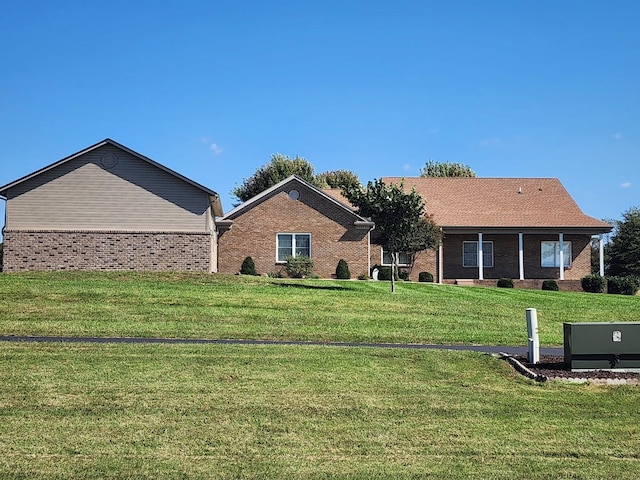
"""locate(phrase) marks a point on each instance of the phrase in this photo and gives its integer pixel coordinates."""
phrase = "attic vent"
(294, 194)
(109, 160)
(519, 189)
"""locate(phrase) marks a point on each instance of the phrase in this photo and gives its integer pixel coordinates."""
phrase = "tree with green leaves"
(624, 248)
(401, 223)
(279, 168)
(446, 169)
(338, 179)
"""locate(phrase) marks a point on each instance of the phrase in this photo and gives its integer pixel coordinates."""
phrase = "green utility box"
(602, 346)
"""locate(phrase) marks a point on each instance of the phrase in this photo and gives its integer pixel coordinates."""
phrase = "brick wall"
(333, 235)
(505, 257)
(78, 250)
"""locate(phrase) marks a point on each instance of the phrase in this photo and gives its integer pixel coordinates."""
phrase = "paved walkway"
(513, 350)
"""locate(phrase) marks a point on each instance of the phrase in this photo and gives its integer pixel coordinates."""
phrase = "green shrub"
(550, 285)
(403, 274)
(505, 283)
(342, 270)
(593, 283)
(384, 273)
(298, 267)
(248, 267)
(623, 285)
(425, 277)
(363, 276)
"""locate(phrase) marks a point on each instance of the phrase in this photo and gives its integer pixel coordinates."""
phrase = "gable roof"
(293, 179)
(458, 202)
(216, 204)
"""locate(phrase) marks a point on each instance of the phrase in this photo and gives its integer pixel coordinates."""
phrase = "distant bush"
(505, 283)
(403, 275)
(248, 267)
(425, 277)
(275, 274)
(550, 285)
(623, 285)
(299, 266)
(593, 283)
(342, 270)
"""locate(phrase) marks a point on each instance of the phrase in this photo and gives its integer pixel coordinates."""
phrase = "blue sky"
(211, 89)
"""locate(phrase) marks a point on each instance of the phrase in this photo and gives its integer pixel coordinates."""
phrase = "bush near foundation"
(342, 270)
(551, 285)
(623, 285)
(425, 277)
(593, 283)
(248, 267)
(505, 283)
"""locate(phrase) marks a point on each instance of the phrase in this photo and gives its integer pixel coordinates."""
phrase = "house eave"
(577, 230)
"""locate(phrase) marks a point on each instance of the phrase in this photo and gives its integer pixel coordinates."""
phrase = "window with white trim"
(292, 245)
(550, 254)
(404, 258)
(470, 254)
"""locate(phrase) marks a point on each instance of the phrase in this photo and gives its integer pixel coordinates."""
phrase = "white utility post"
(532, 333)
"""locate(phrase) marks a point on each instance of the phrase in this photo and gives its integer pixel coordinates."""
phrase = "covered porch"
(478, 256)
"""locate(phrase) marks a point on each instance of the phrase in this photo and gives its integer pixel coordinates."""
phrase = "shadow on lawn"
(313, 287)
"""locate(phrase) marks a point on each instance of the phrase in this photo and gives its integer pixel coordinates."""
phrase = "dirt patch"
(553, 368)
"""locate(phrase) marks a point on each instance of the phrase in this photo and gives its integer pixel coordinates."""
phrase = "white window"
(292, 245)
(404, 258)
(470, 254)
(550, 254)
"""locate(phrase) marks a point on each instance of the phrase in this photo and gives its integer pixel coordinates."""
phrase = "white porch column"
(561, 256)
(480, 258)
(440, 259)
(521, 255)
(601, 248)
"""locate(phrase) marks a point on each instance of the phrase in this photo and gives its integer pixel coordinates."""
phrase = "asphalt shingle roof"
(496, 202)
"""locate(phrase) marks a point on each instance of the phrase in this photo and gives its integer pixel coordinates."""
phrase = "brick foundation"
(84, 250)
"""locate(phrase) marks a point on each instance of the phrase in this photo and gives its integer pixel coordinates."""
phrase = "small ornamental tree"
(401, 223)
(342, 270)
(248, 267)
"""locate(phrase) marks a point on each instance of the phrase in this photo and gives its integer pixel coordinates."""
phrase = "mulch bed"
(553, 368)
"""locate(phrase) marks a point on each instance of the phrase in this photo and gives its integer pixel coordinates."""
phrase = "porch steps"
(465, 282)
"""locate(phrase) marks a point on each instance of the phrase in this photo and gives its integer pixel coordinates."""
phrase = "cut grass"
(179, 411)
(215, 411)
(219, 306)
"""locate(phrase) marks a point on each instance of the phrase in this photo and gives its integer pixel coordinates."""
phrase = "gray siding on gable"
(83, 194)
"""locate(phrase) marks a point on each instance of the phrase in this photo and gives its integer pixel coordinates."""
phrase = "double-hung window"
(470, 254)
(404, 258)
(550, 254)
(292, 245)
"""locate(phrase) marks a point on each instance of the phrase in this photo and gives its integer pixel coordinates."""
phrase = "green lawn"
(184, 411)
(217, 306)
(217, 411)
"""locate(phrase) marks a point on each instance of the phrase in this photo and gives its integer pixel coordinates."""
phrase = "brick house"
(109, 208)
(294, 218)
(527, 229)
